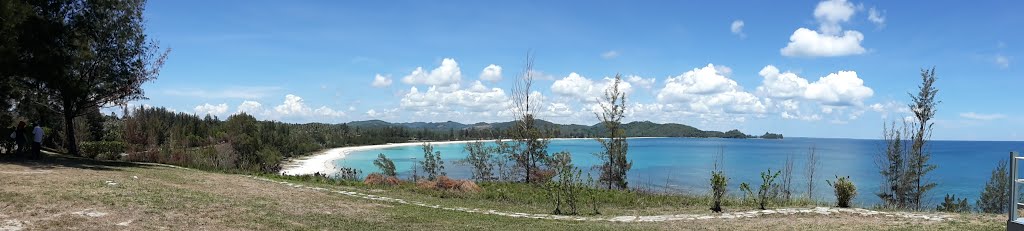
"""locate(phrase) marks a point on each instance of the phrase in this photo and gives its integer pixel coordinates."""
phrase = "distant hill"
(633, 129)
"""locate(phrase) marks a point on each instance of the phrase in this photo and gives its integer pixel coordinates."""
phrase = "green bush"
(718, 187)
(845, 191)
(763, 192)
(952, 205)
(385, 165)
(108, 148)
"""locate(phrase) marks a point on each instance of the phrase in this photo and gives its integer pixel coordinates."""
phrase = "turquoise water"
(685, 164)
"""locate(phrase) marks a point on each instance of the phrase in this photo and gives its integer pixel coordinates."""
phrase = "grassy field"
(60, 193)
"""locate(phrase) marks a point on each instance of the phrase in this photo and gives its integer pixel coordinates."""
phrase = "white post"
(1013, 186)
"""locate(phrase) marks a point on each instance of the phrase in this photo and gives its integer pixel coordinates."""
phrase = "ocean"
(684, 165)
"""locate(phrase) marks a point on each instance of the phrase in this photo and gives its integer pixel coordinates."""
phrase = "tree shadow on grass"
(54, 160)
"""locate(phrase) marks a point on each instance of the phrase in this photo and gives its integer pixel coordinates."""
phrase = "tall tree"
(924, 109)
(531, 145)
(613, 109)
(85, 54)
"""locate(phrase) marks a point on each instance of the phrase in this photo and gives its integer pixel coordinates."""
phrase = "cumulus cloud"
(293, 105)
(737, 28)
(843, 88)
(832, 40)
(477, 98)
(809, 43)
(781, 85)
(210, 109)
(250, 107)
(610, 54)
(830, 13)
(979, 116)
(708, 90)
(699, 81)
(585, 89)
(328, 112)
(448, 74)
(642, 82)
(491, 73)
(381, 81)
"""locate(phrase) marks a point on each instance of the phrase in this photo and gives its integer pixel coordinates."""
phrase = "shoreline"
(323, 161)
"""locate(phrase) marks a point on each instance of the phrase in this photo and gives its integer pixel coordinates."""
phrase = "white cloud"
(645, 83)
(381, 81)
(491, 73)
(706, 90)
(809, 43)
(699, 81)
(978, 116)
(293, 105)
(476, 99)
(328, 112)
(610, 54)
(573, 85)
(781, 85)
(1002, 61)
(877, 17)
(832, 40)
(830, 13)
(210, 109)
(843, 88)
(251, 107)
(737, 28)
(584, 89)
(448, 74)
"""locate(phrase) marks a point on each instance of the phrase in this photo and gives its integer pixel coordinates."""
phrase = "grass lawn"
(60, 193)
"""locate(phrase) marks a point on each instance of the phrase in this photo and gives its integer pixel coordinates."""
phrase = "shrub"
(349, 174)
(569, 189)
(718, 189)
(763, 192)
(845, 191)
(95, 148)
(952, 205)
(995, 197)
(385, 165)
(108, 156)
(481, 158)
(443, 183)
(378, 179)
(432, 164)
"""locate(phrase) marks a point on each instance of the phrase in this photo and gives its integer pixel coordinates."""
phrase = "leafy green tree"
(996, 195)
(385, 165)
(615, 164)
(432, 164)
(81, 55)
(905, 168)
(923, 106)
(481, 159)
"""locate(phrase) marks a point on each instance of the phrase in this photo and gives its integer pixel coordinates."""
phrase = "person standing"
(37, 142)
(20, 137)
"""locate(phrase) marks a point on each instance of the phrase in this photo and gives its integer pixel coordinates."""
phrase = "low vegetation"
(845, 191)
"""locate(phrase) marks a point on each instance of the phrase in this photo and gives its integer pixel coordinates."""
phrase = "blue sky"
(714, 65)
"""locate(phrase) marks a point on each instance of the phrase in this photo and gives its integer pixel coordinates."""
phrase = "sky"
(832, 68)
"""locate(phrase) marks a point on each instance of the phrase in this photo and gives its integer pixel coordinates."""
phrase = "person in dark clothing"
(21, 138)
